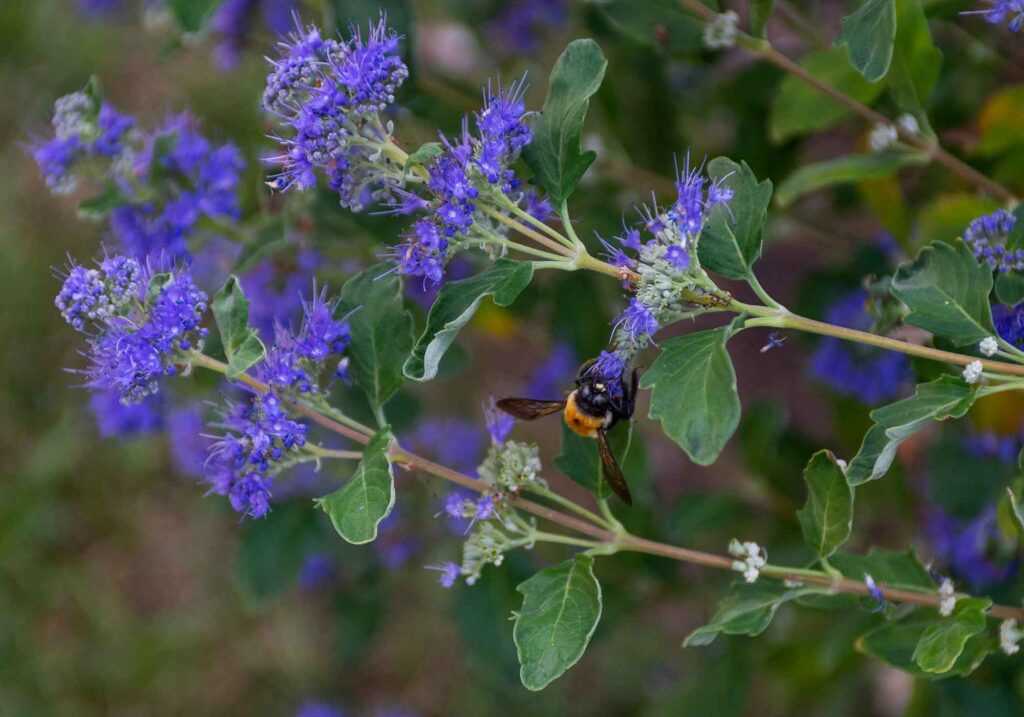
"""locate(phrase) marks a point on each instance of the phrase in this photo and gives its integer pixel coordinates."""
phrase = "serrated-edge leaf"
(382, 331)
(944, 640)
(454, 307)
(357, 508)
(731, 240)
(827, 518)
(869, 35)
(693, 372)
(560, 612)
(947, 292)
(945, 397)
(555, 154)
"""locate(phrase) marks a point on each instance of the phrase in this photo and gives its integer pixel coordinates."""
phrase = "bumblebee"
(590, 410)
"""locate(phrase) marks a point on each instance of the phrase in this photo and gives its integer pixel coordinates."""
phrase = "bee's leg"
(631, 394)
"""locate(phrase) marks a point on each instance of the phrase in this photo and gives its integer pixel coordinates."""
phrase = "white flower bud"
(882, 137)
(948, 598)
(972, 372)
(988, 346)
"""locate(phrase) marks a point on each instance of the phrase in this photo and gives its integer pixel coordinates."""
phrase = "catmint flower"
(751, 558)
(97, 294)
(1009, 323)
(511, 465)
(450, 572)
(883, 136)
(721, 31)
(458, 505)
(988, 346)
(257, 436)
(774, 340)
(972, 371)
(499, 423)
(868, 374)
(424, 252)
(987, 237)
(1010, 636)
(947, 598)
(1000, 11)
(638, 322)
(876, 593)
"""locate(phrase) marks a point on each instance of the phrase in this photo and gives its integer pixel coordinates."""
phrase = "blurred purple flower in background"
(318, 571)
(235, 20)
(315, 708)
(870, 375)
(114, 418)
(452, 441)
(189, 448)
(520, 25)
(551, 378)
(971, 549)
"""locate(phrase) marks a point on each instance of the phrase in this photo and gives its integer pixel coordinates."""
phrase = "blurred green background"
(124, 590)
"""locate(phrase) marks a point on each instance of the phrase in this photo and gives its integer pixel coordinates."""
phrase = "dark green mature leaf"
(894, 643)
(382, 335)
(869, 35)
(827, 517)
(579, 461)
(242, 345)
(455, 305)
(662, 24)
(555, 154)
(561, 609)
(693, 392)
(271, 551)
(916, 62)
(748, 609)
(731, 241)
(946, 290)
(97, 207)
(889, 568)
(358, 507)
(192, 15)
(843, 170)
(945, 397)
(800, 109)
(760, 13)
(945, 639)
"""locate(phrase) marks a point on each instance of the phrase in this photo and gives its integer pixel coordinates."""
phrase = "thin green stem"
(761, 293)
(491, 238)
(526, 216)
(542, 537)
(569, 229)
(321, 452)
(606, 511)
(570, 505)
(526, 231)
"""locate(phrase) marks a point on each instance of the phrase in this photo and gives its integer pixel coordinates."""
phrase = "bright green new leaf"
(843, 170)
(693, 392)
(946, 290)
(561, 609)
(945, 397)
(894, 644)
(827, 517)
(382, 335)
(454, 307)
(555, 155)
(426, 152)
(242, 344)
(731, 240)
(358, 507)
(945, 639)
(799, 108)
(748, 609)
(869, 35)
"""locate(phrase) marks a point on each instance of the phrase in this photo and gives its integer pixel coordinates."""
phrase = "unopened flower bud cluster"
(751, 558)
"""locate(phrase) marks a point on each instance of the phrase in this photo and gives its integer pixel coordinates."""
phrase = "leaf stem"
(542, 537)
(764, 50)
(763, 295)
(568, 504)
(321, 452)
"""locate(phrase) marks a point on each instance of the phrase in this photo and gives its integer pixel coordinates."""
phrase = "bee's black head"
(592, 395)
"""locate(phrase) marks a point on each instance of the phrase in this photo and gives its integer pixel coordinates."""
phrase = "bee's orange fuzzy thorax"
(580, 422)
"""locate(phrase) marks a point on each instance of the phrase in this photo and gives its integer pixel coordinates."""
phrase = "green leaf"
(894, 644)
(381, 331)
(693, 392)
(579, 459)
(271, 551)
(1016, 510)
(664, 25)
(760, 13)
(157, 282)
(242, 345)
(455, 305)
(945, 397)
(358, 507)
(748, 609)
(426, 152)
(555, 154)
(799, 108)
(944, 640)
(99, 206)
(731, 240)
(916, 62)
(192, 15)
(827, 517)
(869, 35)
(561, 609)
(889, 568)
(843, 170)
(946, 290)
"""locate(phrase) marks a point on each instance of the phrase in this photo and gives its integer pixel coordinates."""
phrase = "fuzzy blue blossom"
(424, 252)
(257, 437)
(1002, 10)
(638, 322)
(868, 374)
(987, 237)
(449, 573)
(1009, 323)
(499, 423)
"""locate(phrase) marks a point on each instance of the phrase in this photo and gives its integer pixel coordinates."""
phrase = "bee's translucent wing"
(527, 409)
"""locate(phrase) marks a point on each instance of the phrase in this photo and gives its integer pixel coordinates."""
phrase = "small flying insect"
(590, 410)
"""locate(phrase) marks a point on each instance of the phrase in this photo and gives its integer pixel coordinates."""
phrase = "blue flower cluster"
(134, 335)
(242, 463)
(870, 375)
(160, 185)
(987, 236)
(328, 95)
(666, 263)
(1001, 10)
(1009, 322)
(973, 550)
(234, 20)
